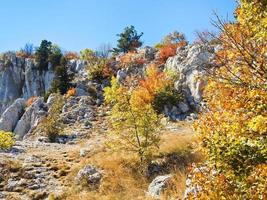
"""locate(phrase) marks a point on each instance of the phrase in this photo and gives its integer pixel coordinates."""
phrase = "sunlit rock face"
(190, 62)
(20, 78)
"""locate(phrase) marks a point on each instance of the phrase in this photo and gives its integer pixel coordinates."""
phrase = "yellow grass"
(125, 177)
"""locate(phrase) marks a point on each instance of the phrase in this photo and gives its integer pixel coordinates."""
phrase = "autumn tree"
(135, 124)
(70, 55)
(129, 40)
(234, 128)
(136, 110)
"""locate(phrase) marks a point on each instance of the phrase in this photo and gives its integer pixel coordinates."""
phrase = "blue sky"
(79, 24)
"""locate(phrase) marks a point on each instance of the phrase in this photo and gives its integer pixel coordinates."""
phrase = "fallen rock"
(89, 175)
(157, 186)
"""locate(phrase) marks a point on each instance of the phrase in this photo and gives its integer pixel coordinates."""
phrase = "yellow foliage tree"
(135, 124)
(233, 130)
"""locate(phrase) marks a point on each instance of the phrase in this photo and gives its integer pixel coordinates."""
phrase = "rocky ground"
(34, 169)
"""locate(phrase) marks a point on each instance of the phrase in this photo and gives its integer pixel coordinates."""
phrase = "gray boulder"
(121, 75)
(157, 186)
(89, 175)
(12, 115)
(31, 118)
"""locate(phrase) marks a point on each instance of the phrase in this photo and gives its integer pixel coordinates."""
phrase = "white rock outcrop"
(190, 62)
(20, 78)
(10, 117)
(30, 119)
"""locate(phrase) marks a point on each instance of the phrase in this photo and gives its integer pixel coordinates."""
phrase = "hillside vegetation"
(173, 121)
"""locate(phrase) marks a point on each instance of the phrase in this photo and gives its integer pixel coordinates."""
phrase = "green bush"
(96, 71)
(6, 140)
(167, 96)
(100, 70)
(62, 80)
(52, 125)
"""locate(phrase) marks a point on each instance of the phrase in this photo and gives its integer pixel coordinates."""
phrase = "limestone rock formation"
(31, 118)
(19, 78)
(10, 117)
(189, 62)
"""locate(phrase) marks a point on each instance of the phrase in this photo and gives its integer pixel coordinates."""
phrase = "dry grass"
(126, 178)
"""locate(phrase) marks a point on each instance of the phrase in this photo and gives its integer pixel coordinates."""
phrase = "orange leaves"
(243, 59)
(131, 58)
(150, 85)
(30, 101)
(141, 97)
(233, 129)
(154, 81)
(71, 55)
(71, 92)
(169, 50)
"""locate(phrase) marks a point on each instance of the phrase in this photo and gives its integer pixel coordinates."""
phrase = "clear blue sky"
(79, 24)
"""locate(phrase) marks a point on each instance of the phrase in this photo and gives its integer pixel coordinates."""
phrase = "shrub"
(169, 50)
(100, 70)
(88, 55)
(71, 92)
(131, 59)
(30, 101)
(167, 96)
(168, 46)
(52, 125)
(70, 55)
(6, 140)
(157, 88)
(174, 37)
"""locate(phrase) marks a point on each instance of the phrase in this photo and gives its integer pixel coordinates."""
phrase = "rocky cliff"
(19, 78)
